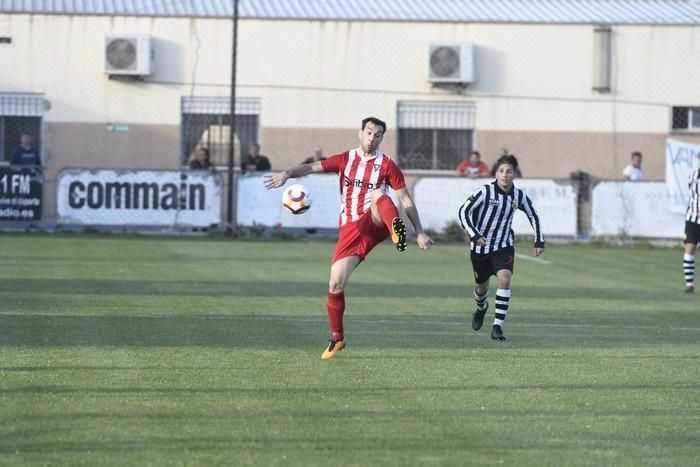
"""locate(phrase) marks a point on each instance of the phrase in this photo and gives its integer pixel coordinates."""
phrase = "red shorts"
(359, 237)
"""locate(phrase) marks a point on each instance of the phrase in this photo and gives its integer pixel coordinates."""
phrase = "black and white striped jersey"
(692, 214)
(489, 212)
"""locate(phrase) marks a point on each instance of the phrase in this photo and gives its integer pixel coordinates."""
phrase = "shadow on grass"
(259, 288)
(263, 392)
(268, 332)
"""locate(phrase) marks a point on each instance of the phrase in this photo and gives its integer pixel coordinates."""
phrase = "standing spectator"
(318, 156)
(25, 153)
(200, 159)
(255, 161)
(487, 217)
(368, 216)
(633, 172)
(692, 231)
(473, 167)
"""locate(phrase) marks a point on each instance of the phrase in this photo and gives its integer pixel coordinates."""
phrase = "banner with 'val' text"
(681, 159)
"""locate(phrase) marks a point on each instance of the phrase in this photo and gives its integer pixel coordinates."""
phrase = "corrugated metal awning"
(436, 115)
(22, 105)
(220, 105)
(684, 12)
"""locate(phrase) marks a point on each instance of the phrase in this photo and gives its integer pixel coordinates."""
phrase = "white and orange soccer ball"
(296, 199)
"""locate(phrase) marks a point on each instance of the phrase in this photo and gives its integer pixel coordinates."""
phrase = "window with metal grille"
(434, 135)
(19, 114)
(685, 118)
(206, 121)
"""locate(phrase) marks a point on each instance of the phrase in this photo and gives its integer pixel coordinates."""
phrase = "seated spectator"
(318, 156)
(200, 159)
(25, 153)
(473, 167)
(633, 172)
(516, 168)
(255, 161)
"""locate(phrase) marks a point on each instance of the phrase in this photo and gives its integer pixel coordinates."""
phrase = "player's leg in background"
(483, 270)
(501, 303)
(384, 211)
(481, 297)
(689, 266)
(339, 276)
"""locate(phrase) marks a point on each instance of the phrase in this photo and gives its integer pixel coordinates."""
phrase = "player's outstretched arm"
(422, 239)
(277, 180)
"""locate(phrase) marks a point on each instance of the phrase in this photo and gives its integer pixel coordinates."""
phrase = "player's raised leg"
(384, 211)
(340, 273)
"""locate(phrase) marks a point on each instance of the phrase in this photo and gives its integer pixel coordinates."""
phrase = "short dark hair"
(636, 153)
(374, 120)
(475, 152)
(507, 159)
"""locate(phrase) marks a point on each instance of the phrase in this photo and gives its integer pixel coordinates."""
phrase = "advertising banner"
(138, 197)
(636, 209)
(681, 160)
(257, 205)
(438, 200)
(20, 194)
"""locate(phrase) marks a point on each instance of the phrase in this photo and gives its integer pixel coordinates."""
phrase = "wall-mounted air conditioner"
(128, 54)
(451, 62)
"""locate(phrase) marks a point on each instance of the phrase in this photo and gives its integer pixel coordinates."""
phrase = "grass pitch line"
(532, 258)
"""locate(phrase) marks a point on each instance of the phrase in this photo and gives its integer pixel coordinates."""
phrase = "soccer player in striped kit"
(486, 217)
(692, 230)
(368, 216)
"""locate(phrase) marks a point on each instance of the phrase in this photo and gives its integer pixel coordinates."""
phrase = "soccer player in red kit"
(368, 216)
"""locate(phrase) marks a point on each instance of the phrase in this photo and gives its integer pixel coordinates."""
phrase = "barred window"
(206, 121)
(20, 114)
(686, 118)
(434, 135)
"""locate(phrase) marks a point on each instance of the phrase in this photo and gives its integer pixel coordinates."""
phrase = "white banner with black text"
(138, 197)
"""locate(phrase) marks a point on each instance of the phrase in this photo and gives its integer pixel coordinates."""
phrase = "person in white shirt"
(633, 171)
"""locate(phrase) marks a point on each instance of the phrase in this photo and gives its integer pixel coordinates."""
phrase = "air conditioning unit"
(451, 62)
(128, 54)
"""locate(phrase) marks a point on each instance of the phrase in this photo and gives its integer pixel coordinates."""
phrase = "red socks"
(336, 308)
(388, 210)
(336, 302)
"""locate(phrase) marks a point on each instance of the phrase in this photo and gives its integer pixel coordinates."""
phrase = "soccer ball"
(296, 198)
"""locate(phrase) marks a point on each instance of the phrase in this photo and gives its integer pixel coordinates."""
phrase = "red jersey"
(466, 167)
(359, 176)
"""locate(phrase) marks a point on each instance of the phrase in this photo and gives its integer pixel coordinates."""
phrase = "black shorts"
(692, 232)
(489, 264)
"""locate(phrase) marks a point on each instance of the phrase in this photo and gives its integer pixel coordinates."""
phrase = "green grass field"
(153, 351)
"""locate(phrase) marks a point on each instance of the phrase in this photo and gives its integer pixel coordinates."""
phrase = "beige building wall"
(315, 81)
(326, 73)
(98, 146)
(540, 154)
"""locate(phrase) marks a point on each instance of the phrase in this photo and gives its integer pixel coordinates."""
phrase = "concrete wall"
(317, 79)
(93, 145)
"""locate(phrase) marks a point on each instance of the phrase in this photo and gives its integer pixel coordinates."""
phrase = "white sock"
(501, 306)
(689, 269)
